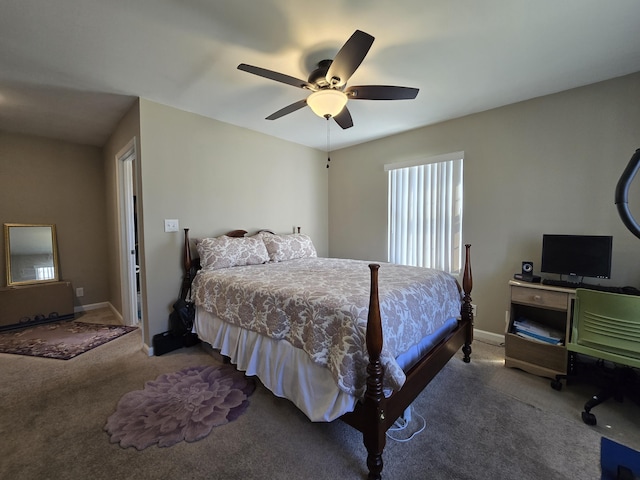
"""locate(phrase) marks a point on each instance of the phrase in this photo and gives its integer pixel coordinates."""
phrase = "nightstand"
(546, 306)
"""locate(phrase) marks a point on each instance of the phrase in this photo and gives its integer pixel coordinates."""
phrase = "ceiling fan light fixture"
(327, 103)
(328, 83)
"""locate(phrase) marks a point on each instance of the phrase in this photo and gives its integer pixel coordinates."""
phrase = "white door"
(131, 308)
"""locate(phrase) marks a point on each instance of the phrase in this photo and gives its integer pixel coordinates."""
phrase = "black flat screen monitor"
(577, 255)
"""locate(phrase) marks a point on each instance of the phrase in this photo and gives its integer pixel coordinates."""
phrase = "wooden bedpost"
(467, 308)
(374, 436)
(186, 259)
(374, 340)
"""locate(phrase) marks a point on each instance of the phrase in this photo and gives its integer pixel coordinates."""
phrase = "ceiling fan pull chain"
(328, 142)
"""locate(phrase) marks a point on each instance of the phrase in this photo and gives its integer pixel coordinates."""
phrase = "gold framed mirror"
(31, 253)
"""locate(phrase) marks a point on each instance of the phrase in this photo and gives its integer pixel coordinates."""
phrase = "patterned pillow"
(289, 247)
(225, 252)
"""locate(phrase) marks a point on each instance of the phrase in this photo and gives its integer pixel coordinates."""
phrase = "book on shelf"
(538, 332)
(537, 338)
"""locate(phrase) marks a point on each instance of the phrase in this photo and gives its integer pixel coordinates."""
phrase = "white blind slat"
(425, 214)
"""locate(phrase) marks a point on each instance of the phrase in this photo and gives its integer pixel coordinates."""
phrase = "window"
(45, 272)
(425, 212)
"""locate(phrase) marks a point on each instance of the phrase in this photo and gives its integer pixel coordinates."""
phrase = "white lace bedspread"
(320, 305)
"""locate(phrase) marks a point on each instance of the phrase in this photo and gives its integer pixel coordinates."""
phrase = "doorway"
(129, 256)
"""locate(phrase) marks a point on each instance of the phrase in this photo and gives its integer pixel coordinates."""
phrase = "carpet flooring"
(483, 421)
(60, 340)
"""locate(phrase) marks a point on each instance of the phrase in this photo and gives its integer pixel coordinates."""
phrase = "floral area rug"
(61, 340)
(185, 405)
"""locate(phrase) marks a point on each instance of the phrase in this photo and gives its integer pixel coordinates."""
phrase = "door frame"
(125, 158)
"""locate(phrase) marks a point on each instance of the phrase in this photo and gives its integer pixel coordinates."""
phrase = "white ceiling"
(70, 69)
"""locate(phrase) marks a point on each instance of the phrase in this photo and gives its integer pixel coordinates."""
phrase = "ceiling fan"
(328, 83)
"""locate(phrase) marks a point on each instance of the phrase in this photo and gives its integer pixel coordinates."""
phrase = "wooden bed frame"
(377, 413)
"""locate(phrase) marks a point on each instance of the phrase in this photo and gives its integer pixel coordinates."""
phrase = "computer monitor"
(577, 255)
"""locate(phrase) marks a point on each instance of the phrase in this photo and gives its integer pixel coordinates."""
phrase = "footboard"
(376, 414)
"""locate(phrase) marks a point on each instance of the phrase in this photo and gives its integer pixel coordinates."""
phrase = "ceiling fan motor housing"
(318, 76)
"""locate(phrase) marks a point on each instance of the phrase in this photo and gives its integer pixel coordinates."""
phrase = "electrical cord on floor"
(401, 424)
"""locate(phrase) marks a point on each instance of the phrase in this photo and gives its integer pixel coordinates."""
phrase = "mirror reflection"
(31, 253)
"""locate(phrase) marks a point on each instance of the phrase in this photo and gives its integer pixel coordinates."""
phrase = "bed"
(311, 329)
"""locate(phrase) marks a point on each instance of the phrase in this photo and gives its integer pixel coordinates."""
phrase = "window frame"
(449, 256)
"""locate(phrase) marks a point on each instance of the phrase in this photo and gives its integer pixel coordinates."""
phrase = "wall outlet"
(171, 225)
(474, 310)
(79, 292)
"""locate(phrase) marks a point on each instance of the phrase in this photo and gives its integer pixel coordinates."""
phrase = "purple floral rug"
(60, 340)
(185, 405)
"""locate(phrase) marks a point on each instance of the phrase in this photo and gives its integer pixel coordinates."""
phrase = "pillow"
(288, 247)
(225, 252)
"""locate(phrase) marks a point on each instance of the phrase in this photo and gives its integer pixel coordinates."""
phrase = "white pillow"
(225, 252)
(289, 247)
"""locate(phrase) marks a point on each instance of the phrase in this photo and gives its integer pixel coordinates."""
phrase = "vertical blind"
(425, 213)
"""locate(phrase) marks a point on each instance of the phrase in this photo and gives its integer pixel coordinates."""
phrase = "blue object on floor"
(618, 462)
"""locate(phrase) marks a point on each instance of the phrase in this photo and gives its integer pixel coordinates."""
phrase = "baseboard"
(96, 306)
(481, 335)
(91, 306)
(488, 337)
(116, 313)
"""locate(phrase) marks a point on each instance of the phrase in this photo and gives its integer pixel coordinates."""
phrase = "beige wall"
(128, 129)
(548, 165)
(50, 181)
(214, 177)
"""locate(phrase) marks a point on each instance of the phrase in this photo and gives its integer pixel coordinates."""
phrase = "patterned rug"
(185, 405)
(60, 340)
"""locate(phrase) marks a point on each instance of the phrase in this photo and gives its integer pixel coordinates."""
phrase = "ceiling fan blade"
(344, 118)
(381, 92)
(288, 109)
(349, 58)
(278, 77)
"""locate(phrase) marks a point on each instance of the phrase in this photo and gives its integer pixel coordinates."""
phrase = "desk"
(547, 305)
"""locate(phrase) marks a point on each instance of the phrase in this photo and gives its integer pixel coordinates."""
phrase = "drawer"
(540, 298)
(553, 357)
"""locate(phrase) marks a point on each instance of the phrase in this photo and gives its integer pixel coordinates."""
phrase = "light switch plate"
(171, 225)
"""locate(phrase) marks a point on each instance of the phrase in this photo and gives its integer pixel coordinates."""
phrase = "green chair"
(606, 326)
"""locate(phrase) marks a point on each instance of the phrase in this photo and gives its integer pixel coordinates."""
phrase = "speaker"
(527, 273)
(527, 269)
